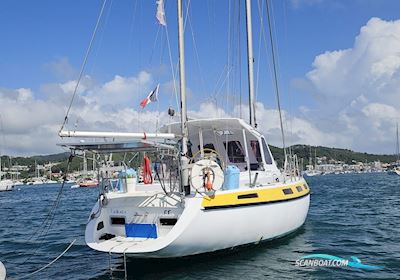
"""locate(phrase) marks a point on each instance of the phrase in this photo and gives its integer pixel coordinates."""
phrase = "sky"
(338, 65)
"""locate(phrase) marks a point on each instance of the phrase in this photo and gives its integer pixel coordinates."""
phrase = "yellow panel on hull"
(257, 195)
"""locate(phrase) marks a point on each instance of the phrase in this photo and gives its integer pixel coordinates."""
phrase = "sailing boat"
(396, 168)
(5, 184)
(214, 184)
(312, 169)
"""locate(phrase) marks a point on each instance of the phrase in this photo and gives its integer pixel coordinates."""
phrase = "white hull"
(200, 230)
(6, 185)
(395, 171)
(38, 183)
(2, 271)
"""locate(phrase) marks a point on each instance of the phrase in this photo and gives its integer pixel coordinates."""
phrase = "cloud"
(123, 90)
(356, 92)
(298, 130)
(356, 89)
(31, 124)
(61, 69)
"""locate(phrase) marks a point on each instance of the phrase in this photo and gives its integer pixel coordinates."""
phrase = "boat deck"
(121, 245)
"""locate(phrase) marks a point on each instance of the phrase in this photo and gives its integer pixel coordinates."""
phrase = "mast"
(397, 143)
(84, 163)
(250, 64)
(184, 159)
(182, 81)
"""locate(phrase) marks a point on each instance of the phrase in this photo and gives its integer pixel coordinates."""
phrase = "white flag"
(161, 13)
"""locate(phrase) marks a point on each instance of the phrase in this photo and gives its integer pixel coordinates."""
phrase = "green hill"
(344, 155)
(302, 151)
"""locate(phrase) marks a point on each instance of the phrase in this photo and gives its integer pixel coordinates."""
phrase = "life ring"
(206, 174)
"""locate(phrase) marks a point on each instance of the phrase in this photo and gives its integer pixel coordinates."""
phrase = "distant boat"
(51, 182)
(17, 183)
(37, 181)
(396, 169)
(88, 183)
(311, 173)
(6, 185)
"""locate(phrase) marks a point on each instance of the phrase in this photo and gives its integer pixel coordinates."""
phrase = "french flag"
(152, 97)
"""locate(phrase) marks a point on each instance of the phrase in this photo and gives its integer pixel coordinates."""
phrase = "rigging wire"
(172, 67)
(228, 55)
(240, 61)
(41, 233)
(197, 55)
(3, 138)
(235, 56)
(132, 25)
(261, 12)
(100, 37)
(154, 44)
(84, 63)
(290, 125)
(270, 66)
(276, 78)
(50, 263)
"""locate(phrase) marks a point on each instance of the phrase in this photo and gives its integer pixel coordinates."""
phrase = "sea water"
(350, 215)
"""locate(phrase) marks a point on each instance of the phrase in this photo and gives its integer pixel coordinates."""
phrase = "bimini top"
(218, 124)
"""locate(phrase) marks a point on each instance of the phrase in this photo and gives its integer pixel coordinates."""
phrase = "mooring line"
(50, 263)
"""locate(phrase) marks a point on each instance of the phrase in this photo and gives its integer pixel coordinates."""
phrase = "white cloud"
(61, 68)
(357, 89)
(31, 124)
(297, 130)
(123, 90)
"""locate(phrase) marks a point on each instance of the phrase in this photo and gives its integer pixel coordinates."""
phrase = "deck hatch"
(118, 220)
(248, 195)
(287, 191)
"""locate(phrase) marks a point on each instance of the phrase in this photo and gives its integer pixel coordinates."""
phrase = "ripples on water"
(350, 215)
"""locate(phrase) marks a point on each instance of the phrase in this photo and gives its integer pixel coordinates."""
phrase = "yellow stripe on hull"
(256, 196)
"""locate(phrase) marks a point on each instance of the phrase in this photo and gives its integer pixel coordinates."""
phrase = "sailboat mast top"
(250, 64)
(182, 80)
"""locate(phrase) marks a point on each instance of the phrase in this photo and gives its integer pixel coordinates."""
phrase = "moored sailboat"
(5, 184)
(213, 184)
(396, 168)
